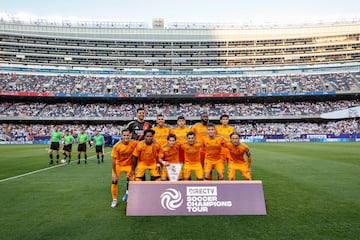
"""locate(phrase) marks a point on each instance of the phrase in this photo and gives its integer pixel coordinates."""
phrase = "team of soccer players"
(201, 150)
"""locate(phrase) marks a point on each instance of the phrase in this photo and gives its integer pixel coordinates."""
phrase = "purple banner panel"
(195, 198)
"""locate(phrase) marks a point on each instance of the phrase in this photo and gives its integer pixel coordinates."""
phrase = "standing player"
(181, 130)
(201, 131)
(237, 161)
(161, 131)
(55, 138)
(169, 154)
(224, 130)
(121, 162)
(138, 126)
(192, 158)
(68, 142)
(82, 139)
(213, 145)
(145, 157)
(99, 142)
(200, 128)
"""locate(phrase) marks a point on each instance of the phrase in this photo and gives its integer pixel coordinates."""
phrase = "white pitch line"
(41, 170)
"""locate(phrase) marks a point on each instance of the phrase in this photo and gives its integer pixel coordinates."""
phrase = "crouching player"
(170, 154)
(192, 157)
(145, 157)
(237, 161)
(121, 162)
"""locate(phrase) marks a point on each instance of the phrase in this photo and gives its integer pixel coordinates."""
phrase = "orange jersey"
(170, 154)
(213, 148)
(161, 134)
(192, 152)
(224, 131)
(181, 134)
(237, 152)
(123, 152)
(200, 130)
(147, 154)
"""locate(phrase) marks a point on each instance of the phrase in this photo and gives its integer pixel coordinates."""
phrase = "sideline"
(45, 169)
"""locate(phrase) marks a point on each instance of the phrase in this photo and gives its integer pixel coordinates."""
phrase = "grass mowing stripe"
(337, 177)
(44, 169)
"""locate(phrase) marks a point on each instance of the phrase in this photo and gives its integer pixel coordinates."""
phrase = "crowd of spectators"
(209, 84)
(293, 130)
(234, 110)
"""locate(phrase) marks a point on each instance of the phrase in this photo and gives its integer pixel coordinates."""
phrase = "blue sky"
(210, 11)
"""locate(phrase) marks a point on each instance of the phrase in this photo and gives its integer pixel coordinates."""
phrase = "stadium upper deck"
(180, 47)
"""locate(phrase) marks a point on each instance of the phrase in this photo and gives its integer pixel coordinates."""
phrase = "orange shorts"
(120, 169)
(242, 167)
(197, 168)
(141, 169)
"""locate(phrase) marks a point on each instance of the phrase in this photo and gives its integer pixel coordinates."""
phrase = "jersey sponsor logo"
(171, 199)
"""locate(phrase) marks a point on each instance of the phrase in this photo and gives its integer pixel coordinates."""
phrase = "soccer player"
(161, 131)
(237, 161)
(224, 130)
(201, 131)
(67, 148)
(213, 145)
(200, 128)
(145, 157)
(138, 126)
(181, 130)
(55, 138)
(192, 158)
(169, 154)
(122, 162)
(82, 139)
(99, 142)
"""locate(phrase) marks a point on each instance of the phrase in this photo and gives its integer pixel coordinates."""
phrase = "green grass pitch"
(312, 191)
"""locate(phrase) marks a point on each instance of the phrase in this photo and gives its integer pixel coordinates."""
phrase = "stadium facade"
(200, 64)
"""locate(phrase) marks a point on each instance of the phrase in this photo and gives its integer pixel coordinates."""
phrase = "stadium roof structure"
(176, 47)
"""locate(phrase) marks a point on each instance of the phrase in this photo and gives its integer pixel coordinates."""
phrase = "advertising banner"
(195, 198)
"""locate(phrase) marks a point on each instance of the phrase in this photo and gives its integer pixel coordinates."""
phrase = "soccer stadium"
(291, 91)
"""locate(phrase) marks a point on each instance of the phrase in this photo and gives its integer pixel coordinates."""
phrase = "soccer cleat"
(69, 162)
(125, 197)
(78, 162)
(98, 161)
(114, 203)
(57, 161)
(51, 162)
(102, 160)
(85, 161)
